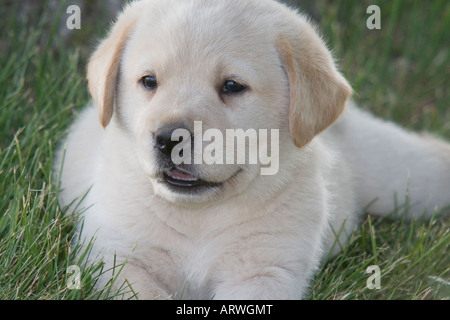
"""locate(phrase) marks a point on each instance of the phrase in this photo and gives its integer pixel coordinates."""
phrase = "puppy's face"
(195, 66)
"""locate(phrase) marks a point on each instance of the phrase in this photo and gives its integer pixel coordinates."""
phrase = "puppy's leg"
(268, 265)
(274, 283)
(391, 165)
(134, 282)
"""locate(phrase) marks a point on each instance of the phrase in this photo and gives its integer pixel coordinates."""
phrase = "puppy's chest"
(196, 264)
(186, 268)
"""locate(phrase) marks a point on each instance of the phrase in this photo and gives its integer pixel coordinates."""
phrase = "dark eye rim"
(146, 85)
(239, 87)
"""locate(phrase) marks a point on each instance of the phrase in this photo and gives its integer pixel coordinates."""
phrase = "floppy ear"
(318, 92)
(103, 67)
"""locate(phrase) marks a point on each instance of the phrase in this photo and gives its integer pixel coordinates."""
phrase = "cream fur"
(259, 237)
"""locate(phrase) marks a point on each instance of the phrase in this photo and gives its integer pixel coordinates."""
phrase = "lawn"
(399, 72)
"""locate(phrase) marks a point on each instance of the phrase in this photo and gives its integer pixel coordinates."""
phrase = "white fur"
(261, 237)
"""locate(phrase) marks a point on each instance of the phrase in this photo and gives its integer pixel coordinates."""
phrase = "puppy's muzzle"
(182, 177)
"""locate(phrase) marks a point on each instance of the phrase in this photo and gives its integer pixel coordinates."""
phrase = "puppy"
(222, 229)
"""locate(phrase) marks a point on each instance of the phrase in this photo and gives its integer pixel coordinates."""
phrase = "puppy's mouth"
(185, 182)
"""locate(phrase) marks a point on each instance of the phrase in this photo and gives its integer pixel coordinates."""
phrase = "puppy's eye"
(149, 82)
(232, 87)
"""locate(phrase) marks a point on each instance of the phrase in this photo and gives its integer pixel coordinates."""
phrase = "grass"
(412, 257)
(400, 72)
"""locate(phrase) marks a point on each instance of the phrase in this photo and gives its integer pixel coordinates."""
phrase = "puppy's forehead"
(196, 30)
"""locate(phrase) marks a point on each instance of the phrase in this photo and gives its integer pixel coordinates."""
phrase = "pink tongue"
(175, 174)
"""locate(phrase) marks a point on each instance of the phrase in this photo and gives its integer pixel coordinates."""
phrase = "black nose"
(164, 143)
(163, 139)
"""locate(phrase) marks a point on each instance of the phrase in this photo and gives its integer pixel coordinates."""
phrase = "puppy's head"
(170, 67)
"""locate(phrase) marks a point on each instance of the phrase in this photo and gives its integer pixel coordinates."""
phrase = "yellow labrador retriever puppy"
(194, 212)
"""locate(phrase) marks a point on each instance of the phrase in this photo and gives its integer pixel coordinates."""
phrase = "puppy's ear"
(318, 92)
(103, 67)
